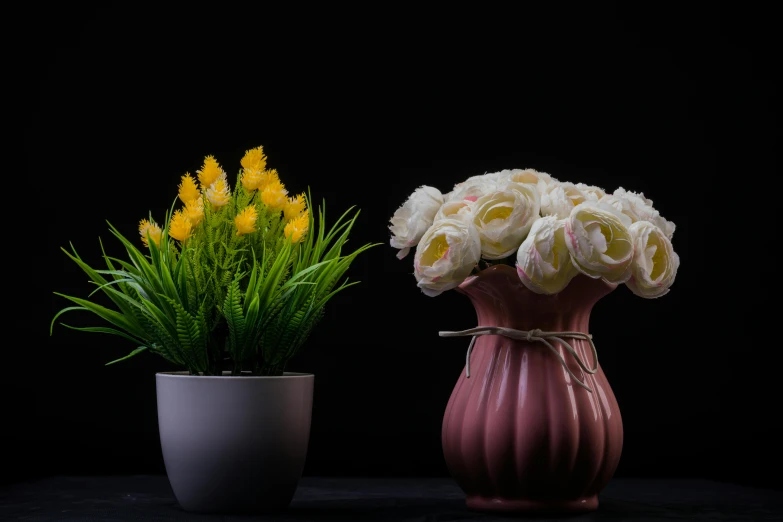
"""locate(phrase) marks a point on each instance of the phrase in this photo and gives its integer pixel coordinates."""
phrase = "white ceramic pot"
(234, 443)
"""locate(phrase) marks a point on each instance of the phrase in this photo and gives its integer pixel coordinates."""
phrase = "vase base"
(515, 505)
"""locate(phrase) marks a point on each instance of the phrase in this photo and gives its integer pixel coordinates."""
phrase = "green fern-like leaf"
(232, 311)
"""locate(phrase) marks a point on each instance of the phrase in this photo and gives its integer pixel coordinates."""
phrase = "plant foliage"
(242, 275)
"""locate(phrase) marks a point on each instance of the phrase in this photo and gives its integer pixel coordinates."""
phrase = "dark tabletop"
(353, 499)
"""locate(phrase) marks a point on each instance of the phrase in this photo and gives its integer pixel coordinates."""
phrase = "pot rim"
(185, 374)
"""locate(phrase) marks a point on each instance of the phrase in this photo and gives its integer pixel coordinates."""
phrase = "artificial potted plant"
(228, 288)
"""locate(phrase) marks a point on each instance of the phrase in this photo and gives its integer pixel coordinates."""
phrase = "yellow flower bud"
(194, 211)
(218, 193)
(148, 231)
(252, 179)
(269, 178)
(246, 220)
(180, 227)
(297, 228)
(294, 207)
(188, 190)
(209, 173)
(254, 160)
(274, 196)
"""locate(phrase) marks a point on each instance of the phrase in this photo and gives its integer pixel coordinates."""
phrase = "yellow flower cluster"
(274, 195)
(211, 184)
(297, 227)
(149, 231)
(294, 207)
(246, 220)
(188, 190)
(180, 227)
(210, 172)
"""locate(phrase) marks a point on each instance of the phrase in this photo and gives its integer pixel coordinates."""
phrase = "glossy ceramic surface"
(519, 435)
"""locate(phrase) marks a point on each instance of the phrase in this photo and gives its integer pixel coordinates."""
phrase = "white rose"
(621, 205)
(531, 177)
(543, 260)
(446, 255)
(503, 219)
(639, 208)
(591, 192)
(475, 187)
(523, 181)
(413, 218)
(457, 209)
(599, 242)
(654, 264)
(559, 199)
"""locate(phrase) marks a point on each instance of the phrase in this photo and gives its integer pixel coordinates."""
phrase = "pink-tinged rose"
(543, 260)
(474, 187)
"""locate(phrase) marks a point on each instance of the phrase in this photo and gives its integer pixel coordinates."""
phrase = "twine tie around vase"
(534, 335)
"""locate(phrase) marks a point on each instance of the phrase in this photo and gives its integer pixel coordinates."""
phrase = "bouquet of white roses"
(555, 229)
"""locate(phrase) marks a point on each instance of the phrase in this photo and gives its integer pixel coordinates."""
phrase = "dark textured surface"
(150, 498)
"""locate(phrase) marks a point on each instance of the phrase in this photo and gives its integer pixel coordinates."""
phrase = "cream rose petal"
(543, 260)
(413, 218)
(591, 192)
(446, 255)
(503, 219)
(655, 263)
(541, 180)
(559, 198)
(457, 209)
(640, 208)
(475, 187)
(522, 182)
(599, 242)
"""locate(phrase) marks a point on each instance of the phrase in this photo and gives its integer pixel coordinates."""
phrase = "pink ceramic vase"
(519, 434)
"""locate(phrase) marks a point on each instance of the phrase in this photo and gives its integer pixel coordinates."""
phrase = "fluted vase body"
(519, 434)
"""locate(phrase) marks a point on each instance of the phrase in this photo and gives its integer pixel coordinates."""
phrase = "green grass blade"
(132, 354)
(101, 329)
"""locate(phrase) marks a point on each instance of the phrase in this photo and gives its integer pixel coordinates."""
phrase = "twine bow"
(530, 336)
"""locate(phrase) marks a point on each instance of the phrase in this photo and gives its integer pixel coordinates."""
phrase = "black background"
(677, 104)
